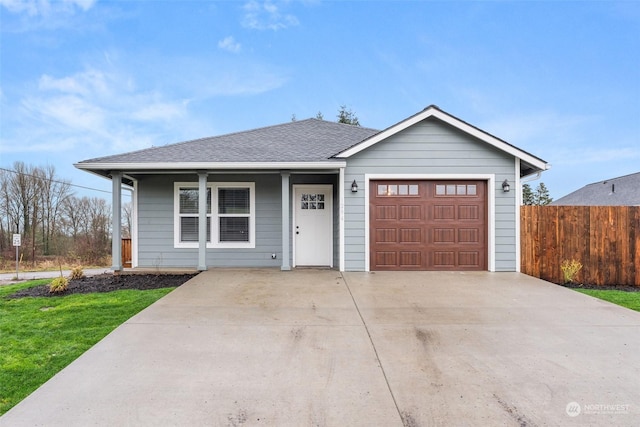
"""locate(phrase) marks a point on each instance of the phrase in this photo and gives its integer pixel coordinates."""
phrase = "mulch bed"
(109, 283)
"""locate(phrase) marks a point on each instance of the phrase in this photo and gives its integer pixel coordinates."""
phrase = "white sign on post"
(17, 242)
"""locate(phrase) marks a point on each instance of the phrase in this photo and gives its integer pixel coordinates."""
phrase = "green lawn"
(626, 299)
(40, 336)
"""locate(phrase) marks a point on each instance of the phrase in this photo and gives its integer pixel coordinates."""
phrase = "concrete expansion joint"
(373, 345)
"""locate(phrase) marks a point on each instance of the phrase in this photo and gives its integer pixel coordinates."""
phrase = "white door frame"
(294, 204)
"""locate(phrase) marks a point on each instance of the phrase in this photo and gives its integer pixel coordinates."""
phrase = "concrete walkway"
(317, 348)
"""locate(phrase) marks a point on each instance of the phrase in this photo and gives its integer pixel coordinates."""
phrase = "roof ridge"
(604, 181)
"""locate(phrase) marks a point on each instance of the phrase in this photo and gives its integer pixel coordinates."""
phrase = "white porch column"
(341, 219)
(202, 221)
(116, 221)
(286, 227)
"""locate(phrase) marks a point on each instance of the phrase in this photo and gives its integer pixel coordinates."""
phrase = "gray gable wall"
(431, 147)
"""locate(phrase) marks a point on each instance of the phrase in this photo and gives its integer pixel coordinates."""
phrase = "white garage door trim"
(491, 201)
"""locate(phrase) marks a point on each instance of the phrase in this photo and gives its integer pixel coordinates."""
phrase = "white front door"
(313, 225)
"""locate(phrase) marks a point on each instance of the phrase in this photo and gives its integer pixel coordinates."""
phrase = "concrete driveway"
(320, 348)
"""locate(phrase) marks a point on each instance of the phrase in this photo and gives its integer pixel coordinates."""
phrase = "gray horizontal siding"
(430, 147)
(156, 224)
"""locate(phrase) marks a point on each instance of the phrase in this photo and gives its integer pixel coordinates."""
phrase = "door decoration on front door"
(312, 201)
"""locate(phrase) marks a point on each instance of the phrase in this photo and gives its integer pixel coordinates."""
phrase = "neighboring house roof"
(305, 144)
(529, 163)
(620, 191)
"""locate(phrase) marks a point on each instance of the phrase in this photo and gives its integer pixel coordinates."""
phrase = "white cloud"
(266, 16)
(85, 83)
(229, 44)
(70, 111)
(160, 111)
(46, 7)
(99, 108)
(122, 103)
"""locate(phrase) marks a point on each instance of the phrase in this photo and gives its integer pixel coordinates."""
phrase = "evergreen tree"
(542, 196)
(347, 116)
(319, 116)
(527, 195)
(539, 197)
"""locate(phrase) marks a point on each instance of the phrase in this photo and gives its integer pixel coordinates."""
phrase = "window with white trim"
(187, 214)
(230, 215)
(235, 216)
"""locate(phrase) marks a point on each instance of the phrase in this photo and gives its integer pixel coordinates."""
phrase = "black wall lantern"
(505, 186)
(354, 186)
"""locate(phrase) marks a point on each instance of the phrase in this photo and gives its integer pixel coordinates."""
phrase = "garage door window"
(456, 190)
(398, 190)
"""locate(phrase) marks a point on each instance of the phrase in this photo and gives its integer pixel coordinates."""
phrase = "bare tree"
(127, 216)
(54, 192)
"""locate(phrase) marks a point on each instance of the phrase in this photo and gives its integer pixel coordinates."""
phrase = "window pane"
(382, 190)
(234, 229)
(413, 190)
(403, 189)
(451, 189)
(471, 190)
(233, 200)
(189, 229)
(462, 190)
(189, 200)
(440, 190)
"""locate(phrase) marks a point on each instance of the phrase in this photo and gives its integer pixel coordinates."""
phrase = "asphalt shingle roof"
(620, 191)
(310, 140)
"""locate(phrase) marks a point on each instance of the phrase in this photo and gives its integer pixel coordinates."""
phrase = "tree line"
(540, 196)
(36, 203)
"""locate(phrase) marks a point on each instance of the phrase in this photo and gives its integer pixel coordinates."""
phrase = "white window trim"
(215, 225)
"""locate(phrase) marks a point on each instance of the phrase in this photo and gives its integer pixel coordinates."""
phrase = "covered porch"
(273, 221)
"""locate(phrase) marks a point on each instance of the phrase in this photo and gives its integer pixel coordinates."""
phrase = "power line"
(56, 181)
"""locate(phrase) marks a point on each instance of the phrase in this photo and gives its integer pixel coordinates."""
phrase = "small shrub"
(76, 273)
(570, 269)
(59, 284)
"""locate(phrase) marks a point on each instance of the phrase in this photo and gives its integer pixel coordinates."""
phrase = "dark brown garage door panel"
(428, 225)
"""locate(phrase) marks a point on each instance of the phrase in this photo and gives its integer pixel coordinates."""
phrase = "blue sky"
(87, 78)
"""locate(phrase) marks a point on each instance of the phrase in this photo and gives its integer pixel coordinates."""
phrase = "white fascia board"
(385, 134)
(210, 165)
(459, 124)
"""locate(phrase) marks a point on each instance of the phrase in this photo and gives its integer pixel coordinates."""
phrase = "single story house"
(431, 192)
(620, 191)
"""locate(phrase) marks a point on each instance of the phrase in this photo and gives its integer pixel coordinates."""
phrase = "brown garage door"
(428, 225)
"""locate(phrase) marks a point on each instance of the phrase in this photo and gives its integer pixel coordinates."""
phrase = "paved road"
(8, 278)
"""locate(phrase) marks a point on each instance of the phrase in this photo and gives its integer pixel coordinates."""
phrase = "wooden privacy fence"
(605, 239)
(126, 253)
